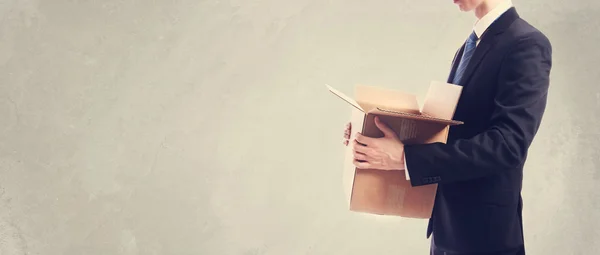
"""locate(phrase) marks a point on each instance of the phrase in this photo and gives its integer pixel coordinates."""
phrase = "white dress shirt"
(480, 26)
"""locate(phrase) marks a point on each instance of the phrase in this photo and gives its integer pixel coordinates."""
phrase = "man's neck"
(485, 7)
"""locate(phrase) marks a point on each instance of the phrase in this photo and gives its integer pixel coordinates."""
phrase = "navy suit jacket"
(479, 171)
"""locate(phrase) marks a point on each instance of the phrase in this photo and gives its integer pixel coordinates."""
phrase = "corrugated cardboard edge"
(422, 117)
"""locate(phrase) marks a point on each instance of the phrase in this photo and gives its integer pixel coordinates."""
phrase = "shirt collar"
(482, 24)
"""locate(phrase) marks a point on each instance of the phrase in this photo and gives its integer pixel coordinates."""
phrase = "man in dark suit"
(504, 68)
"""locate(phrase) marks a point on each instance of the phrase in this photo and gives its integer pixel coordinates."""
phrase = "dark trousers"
(437, 251)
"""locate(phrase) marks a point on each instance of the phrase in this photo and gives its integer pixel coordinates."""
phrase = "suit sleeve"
(520, 101)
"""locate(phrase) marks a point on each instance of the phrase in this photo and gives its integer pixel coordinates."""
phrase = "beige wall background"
(204, 127)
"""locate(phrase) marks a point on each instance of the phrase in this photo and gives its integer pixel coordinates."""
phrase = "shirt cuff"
(406, 169)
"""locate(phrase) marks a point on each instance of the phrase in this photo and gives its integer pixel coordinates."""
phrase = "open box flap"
(441, 100)
(371, 98)
(345, 98)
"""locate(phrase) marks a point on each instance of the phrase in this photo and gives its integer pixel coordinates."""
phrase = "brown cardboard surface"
(389, 192)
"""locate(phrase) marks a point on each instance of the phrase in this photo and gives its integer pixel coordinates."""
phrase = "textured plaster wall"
(203, 127)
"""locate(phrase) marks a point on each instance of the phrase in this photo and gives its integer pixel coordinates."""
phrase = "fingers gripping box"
(390, 192)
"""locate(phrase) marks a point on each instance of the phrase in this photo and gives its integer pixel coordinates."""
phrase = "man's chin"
(463, 8)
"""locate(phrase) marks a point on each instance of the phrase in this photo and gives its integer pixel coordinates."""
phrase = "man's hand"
(385, 153)
(347, 133)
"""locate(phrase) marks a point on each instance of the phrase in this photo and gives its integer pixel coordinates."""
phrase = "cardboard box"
(390, 192)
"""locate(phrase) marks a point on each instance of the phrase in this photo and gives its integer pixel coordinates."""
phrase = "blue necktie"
(470, 46)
